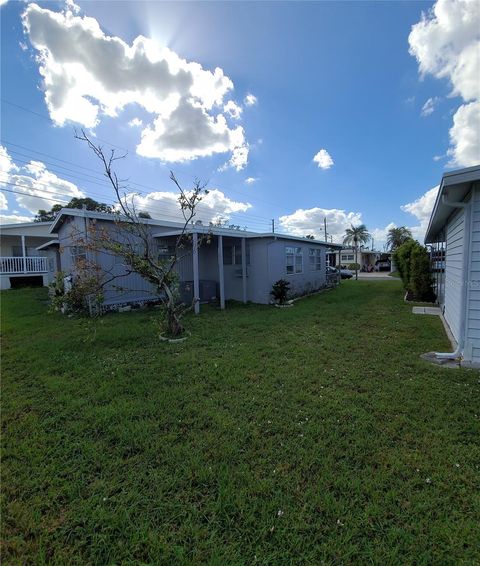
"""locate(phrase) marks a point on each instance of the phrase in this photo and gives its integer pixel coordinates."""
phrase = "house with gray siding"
(28, 254)
(454, 236)
(217, 263)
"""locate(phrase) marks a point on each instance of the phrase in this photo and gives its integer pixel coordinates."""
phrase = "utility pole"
(325, 226)
(273, 225)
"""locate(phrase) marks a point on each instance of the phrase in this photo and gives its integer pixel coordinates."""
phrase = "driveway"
(376, 276)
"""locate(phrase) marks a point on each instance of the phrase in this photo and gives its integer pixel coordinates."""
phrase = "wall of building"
(300, 283)
(126, 287)
(453, 271)
(472, 331)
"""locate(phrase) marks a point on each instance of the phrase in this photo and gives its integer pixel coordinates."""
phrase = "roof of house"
(177, 227)
(454, 186)
(60, 218)
(49, 244)
(234, 233)
(40, 229)
(23, 224)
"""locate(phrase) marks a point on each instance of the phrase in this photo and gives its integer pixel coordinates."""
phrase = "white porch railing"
(23, 265)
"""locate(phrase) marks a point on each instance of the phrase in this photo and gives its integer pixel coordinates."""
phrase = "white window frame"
(293, 253)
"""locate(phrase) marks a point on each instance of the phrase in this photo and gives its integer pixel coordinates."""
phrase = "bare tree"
(135, 244)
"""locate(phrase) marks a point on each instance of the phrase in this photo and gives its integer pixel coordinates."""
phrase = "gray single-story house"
(26, 255)
(232, 264)
(454, 235)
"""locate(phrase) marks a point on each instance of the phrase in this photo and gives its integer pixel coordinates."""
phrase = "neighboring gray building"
(29, 254)
(234, 264)
(454, 234)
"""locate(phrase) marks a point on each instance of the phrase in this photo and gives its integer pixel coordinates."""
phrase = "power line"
(74, 174)
(258, 199)
(5, 101)
(56, 197)
(61, 196)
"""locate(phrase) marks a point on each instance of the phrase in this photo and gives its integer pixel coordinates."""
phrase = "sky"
(291, 112)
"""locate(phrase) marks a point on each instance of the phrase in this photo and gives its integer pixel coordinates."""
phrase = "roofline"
(199, 229)
(108, 217)
(48, 244)
(450, 178)
(229, 232)
(24, 224)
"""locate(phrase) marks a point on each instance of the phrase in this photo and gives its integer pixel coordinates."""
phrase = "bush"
(421, 281)
(353, 266)
(280, 291)
(413, 265)
(402, 258)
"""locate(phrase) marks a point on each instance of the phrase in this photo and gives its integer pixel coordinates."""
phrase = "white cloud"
(239, 158)
(14, 219)
(135, 122)
(233, 110)
(88, 75)
(429, 106)
(323, 159)
(6, 163)
(380, 235)
(40, 187)
(311, 221)
(446, 44)
(74, 8)
(164, 205)
(465, 135)
(3, 202)
(3, 2)
(251, 180)
(190, 132)
(250, 100)
(421, 208)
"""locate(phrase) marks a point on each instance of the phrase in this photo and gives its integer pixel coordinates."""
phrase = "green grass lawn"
(311, 435)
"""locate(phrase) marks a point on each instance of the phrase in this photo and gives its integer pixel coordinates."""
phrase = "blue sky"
(343, 77)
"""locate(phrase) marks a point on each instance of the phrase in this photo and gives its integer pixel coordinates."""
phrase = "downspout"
(466, 250)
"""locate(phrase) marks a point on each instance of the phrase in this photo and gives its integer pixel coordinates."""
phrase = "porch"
(26, 260)
(23, 265)
(217, 267)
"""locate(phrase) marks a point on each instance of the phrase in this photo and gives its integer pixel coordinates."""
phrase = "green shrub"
(353, 266)
(402, 258)
(413, 265)
(421, 281)
(280, 291)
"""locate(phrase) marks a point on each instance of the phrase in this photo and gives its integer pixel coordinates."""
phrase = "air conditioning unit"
(239, 272)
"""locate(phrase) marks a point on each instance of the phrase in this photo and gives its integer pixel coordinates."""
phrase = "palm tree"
(354, 236)
(398, 236)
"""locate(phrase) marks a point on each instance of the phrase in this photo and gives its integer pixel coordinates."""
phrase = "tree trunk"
(356, 261)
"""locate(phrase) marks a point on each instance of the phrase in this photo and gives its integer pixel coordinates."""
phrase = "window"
(232, 255)
(227, 255)
(348, 257)
(315, 258)
(293, 260)
(165, 251)
(79, 254)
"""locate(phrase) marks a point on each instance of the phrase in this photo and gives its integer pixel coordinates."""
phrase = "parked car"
(346, 273)
(382, 265)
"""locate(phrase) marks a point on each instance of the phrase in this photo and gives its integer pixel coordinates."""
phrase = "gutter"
(466, 206)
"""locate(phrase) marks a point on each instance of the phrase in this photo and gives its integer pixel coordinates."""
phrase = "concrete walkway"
(427, 310)
(376, 276)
